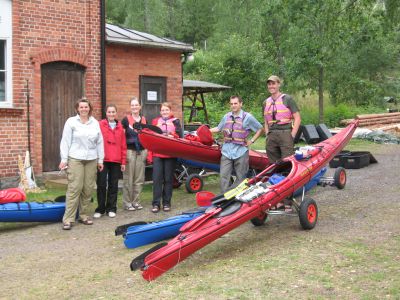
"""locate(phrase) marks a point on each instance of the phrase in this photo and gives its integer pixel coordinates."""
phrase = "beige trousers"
(133, 177)
(81, 176)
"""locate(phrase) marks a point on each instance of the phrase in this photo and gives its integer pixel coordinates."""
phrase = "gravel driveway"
(40, 261)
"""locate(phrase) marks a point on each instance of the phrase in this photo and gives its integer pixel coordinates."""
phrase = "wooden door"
(62, 85)
(153, 92)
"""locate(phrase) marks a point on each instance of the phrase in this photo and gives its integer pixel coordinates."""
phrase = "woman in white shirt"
(82, 152)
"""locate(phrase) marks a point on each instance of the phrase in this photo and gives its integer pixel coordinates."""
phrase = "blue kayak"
(32, 212)
(200, 165)
(140, 235)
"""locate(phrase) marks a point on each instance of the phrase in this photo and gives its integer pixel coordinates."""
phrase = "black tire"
(260, 220)
(340, 178)
(308, 213)
(194, 183)
(175, 182)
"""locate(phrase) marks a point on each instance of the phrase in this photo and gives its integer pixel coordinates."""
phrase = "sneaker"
(97, 215)
(112, 214)
(131, 208)
(137, 206)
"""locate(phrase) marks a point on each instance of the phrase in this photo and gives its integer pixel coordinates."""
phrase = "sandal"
(166, 208)
(155, 209)
(137, 206)
(86, 222)
(66, 226)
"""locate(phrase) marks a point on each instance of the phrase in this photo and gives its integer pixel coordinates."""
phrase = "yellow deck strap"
(240, 188)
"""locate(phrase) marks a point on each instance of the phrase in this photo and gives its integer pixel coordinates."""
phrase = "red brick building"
(146, 66)
(51, 55)
(51, 51)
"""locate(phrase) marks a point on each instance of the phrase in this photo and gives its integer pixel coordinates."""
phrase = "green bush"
(309, 115)
(334, 114)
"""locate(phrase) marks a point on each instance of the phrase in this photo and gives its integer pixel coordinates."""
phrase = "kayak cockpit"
(231, 201)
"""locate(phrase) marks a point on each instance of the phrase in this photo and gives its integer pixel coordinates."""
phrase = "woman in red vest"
(164, 166)
(114, 163)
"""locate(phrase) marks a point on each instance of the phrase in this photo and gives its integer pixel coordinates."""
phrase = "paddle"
(139, 261)
(140, 126)
(204, 198)
(123, 228)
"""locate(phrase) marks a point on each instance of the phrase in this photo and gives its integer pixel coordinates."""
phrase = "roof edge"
(149, 44)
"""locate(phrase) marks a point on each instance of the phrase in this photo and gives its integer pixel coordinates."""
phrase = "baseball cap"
(274, 78)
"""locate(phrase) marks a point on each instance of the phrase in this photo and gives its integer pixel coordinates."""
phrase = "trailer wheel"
(194, 183)
(175, 181)
(308, 213)
(340, 178)
(259, 220)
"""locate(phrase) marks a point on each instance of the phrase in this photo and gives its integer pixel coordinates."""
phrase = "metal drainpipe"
(28, 119)
(103, 56)
(183, 61)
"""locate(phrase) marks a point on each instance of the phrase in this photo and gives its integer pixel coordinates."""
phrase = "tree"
(197, 21)
(341, 49)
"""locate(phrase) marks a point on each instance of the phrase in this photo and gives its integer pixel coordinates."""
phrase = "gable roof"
(120, 35)
(196, 86)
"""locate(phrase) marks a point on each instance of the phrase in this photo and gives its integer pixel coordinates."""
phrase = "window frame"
(6, 36)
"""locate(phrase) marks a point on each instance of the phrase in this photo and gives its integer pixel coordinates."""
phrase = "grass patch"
(48, 194)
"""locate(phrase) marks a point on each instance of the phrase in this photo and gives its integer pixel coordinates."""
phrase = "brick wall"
(46, 31)
(126, 63)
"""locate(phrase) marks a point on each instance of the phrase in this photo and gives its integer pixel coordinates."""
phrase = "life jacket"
(234, 131)
(132, 121)
(275, 112)
(167, 126)
(131, 134)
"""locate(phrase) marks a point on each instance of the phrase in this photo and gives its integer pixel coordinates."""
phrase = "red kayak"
(193, 150)
(252, 202)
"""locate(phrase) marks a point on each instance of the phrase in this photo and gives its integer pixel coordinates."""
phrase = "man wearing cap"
(282, 121)
(236, 127)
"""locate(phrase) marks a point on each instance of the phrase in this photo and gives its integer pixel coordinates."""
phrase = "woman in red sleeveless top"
(164, 166)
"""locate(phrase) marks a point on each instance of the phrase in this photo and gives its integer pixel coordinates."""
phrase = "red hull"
(193, 150)
(210, 226)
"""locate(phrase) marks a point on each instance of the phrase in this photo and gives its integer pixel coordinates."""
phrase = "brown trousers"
(279, 144)
(133, 177)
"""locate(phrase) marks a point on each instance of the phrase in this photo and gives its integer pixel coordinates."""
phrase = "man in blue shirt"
(236, 127)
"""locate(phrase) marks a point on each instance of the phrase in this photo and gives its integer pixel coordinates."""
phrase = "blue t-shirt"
(234, 151)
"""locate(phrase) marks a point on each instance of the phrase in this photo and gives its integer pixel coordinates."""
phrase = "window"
(5, 53)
